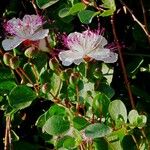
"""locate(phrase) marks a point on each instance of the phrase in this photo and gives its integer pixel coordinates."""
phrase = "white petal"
(113, 57)
(93, 40)
(100, 54)
(102, 41)
(78, 61)
(11, 43)
(76, 41)
(68, 57)
(40, 34)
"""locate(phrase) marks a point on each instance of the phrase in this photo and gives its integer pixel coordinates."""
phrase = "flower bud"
(14, 62)
(54, 65)
(31, 52)
(74, 78)
(6, 58)
(46, 88)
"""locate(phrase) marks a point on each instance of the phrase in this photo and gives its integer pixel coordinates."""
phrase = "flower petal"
(99, 54)
(113, 57)
(40, 34)
(68, 57)
(9, 44)
(93, 40)
(75, 41)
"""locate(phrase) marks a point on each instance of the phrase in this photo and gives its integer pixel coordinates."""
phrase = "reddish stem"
(122, 63)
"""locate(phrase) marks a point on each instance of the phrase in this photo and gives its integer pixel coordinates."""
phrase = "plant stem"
(122, 63)
(34, 6)
(145, 19)
(134, 139)
(7, 142)
(144, 135)
(135, 19)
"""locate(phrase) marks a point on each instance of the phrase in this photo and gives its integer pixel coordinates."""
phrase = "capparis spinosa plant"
(74, 75)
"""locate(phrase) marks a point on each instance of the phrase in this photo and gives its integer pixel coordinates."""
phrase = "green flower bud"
(31, 52)
(6, 58)
(14, 62)
(74, 78)
(54, 65)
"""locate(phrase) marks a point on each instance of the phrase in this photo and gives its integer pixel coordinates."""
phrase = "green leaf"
(97, 130)
(69, 143)
(29, 71)
(100, 105)
(6, 87)
(45, 76)
(77, 7)
(65, 143)
(54, 110)
(106, 13)
(40, 61)
(71, 11)
(107, 72)
(5, 74)
(107, 90)
(56, 125)
(110, 4)
(118, 134)
(45, 3)
(100, 144)
(56, 84)
(118, 110)
(137, 120)
(64, 12)
(86, 16)
(133, 114)
(21, 97)
(80, 123)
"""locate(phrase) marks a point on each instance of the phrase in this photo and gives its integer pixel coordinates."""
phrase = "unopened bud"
(31, 52)
(14, 62)
(6, 58)
(74, 78)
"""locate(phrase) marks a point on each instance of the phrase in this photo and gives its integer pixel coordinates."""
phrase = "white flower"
(86, 44)
(29, 28)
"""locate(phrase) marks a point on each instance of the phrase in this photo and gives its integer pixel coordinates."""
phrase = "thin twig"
(122, 63)
(34, 6)
(144, 135)
(134, 139)
(7, 142)
(145, 19)
(135, 19)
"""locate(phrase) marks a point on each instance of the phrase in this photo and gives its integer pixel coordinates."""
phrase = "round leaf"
(80, 123)
(56, 125)
(117, 109)
(45, 3)
(21, 97)
(86, 16)
(97, 130)
(133, 114)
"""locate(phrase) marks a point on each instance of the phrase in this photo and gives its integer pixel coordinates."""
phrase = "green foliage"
(56, 125)
(117, 111)
(21, 97)
(97, 130)
(43, 4)
(83, 106)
